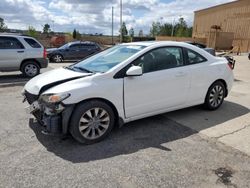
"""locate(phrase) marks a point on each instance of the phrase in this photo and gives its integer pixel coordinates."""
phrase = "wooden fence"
(241, 45)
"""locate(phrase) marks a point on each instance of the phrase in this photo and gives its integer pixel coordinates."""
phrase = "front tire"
(30, 69)
(91, 121)
(215, 96)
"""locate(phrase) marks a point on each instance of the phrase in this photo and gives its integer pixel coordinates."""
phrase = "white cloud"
(93, 16)
(171, 12)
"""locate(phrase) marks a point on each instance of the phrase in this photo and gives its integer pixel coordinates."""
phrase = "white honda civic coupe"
(125, 83)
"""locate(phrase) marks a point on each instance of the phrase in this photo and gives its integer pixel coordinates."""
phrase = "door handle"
(180, 74)
(20, 51)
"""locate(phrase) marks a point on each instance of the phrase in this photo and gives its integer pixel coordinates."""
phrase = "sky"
(94, 16)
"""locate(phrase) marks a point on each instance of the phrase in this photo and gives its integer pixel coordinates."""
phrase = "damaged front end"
(50, 111)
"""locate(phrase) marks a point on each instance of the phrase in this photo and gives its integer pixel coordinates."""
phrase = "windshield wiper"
(83, 69)
(69, 67)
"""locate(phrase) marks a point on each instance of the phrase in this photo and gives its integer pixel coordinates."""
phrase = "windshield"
(104, 61)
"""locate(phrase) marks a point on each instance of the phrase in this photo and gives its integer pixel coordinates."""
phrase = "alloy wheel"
(216, 96)
(94, 123)
(57, 58)
(30, 70)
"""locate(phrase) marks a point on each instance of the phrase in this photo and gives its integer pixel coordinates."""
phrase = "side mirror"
(134, 71)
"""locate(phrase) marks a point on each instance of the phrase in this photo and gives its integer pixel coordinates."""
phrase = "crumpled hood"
(51, 78)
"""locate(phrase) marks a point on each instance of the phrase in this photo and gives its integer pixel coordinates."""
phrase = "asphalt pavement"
(17, 78)
(177, 149)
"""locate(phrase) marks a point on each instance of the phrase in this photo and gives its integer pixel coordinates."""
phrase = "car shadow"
(132, 137)
(16, 77)
(197, 118)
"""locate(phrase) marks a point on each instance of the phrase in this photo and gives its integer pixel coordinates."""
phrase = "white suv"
(22, 53)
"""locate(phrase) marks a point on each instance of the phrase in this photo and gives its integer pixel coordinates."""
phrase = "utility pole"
(112, 25)
(120, 21)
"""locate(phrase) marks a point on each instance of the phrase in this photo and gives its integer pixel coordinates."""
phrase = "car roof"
(141, 43)
(81, 42)
(9, 35)
(155, 43)
(15, 35)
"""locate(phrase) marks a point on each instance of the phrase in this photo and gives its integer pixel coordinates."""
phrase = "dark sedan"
(73, 51)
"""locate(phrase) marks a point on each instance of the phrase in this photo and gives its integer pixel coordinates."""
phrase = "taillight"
(230, 66)
(44, 53)
(231, 62)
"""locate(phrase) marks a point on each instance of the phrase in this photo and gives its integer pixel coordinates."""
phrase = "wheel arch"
(105, 101)
(27, 60)
(118, 120)
(218, 80)
(224, 83)
(207, 103)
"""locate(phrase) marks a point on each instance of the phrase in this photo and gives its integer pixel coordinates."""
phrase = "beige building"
(223, 24)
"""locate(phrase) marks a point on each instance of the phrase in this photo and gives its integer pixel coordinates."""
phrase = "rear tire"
(215, 96)
(30, 69)
(91, 122)
(57, 58)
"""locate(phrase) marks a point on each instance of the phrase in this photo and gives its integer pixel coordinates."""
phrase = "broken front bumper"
(52, 120)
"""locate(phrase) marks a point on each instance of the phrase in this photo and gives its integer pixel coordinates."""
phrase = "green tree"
(32, 31)
(181, 29)
(3, 27)
(74, 34)
(190, 32)
(46, 28)
(78, 35)
(166, 29)
(158, 29)
(131, 32)
(155, 29)
(123, 30)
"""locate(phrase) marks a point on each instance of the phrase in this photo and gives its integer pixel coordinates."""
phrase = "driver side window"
(74, 47)
(161, 59)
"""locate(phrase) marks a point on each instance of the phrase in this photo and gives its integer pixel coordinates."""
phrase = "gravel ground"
(153, 152)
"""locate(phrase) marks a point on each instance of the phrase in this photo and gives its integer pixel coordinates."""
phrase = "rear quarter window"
(32, 43)
(92, 46)
(194, 58)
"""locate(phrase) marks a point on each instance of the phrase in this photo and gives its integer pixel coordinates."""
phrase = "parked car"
(22, 53)
(125, 83)
(203, 46)
(73, 51)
